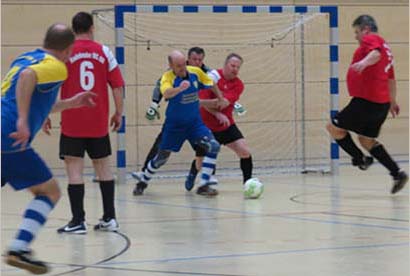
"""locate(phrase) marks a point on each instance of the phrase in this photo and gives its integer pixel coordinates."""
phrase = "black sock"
(246, 167)
(107, 192)
(76, 196)
(193, 169)
(379, 152)
(350, 147)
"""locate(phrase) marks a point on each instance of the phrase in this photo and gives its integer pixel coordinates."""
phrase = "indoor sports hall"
(317, 216)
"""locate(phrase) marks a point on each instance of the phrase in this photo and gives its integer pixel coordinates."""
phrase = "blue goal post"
(332, 11)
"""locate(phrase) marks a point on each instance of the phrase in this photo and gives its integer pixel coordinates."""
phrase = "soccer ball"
(252, 188)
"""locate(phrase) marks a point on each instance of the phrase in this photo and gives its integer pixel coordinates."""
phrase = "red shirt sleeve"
(370, 43)
(115, 78)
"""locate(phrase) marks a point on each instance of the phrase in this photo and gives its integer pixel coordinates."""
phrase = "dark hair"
(233, 55)
(58, 37)
(365, 21)
(82, 22)
(196, 50)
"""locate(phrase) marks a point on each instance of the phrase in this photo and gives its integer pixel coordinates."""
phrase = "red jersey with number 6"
(372, 83)
(91, 67)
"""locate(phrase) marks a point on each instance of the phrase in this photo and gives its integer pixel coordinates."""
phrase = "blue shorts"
(173, 137)
(23, 169)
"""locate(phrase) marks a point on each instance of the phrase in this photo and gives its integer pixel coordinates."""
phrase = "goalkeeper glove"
(239, 109)
(152, 111)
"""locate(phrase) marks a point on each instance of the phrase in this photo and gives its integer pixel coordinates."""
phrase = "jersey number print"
(87, 79)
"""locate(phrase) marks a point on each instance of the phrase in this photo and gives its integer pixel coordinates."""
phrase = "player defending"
(371, 83)
(180, 87)
(29, 92)
(221, 122)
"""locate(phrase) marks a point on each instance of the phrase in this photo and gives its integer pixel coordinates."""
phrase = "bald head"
(175, 56)
(177, 62)
(58, 37)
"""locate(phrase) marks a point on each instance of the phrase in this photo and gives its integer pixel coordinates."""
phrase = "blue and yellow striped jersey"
(50, 73)
(184, 107)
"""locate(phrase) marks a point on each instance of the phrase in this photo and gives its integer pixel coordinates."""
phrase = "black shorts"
(224, 137)
(363, 117)
(95, 147)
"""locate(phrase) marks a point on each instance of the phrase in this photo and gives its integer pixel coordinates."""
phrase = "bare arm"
(394, 107)
(209, 103)
(78, 100)
(25, 88)
(118, 95)
(372, 58)
(173, 91)
(24, 91)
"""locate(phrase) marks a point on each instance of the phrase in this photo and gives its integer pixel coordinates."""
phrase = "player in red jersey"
(221, 122)
(372, 86)
(91, 66)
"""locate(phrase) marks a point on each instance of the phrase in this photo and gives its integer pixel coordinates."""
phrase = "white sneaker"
(137, 175)
(111, 225)
(213, 180)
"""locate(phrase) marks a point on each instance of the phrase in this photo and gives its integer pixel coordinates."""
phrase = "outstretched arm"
(78, 100)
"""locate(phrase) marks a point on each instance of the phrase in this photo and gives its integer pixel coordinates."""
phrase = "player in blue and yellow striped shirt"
(28, 94)
(180, 86)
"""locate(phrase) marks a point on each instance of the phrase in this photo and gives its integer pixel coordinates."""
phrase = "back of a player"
(90, 65)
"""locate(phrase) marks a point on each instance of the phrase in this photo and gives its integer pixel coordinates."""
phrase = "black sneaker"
(23, 259)
(364, 163)
(207, 190)
(399, 182)
(139, 188)
(73, 228)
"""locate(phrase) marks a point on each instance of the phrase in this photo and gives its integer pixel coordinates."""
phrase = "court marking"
(122, 251)
(289, 217)
(267, 253)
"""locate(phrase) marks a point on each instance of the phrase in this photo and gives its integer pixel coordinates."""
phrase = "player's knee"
(335, 132)
(214, 146)
(367, 143)
(243, 153)
(49, 189)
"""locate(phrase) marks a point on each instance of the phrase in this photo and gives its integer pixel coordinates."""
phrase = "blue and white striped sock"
(149, 172)
(208, 166)
(34, 218)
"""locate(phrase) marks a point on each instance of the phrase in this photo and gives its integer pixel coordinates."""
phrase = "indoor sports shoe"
(23, 259)
(207, 190)
(213, 180)
(364, 163)
(73, 228)
(110, 225)
(139, 188)
(137, 175)
(399, 182)
(190, 181)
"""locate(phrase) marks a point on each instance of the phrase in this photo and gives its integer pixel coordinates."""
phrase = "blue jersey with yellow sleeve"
(183, 108)
(50, 73)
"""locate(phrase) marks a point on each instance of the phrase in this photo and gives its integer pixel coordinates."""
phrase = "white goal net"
(285, 72)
